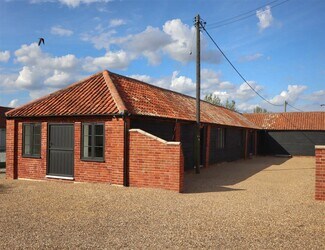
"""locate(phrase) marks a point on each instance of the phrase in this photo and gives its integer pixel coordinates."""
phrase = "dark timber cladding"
(188, 143)
(60, 155)
(290, 142)
(162, 129)
(233, 148)
(292, 133)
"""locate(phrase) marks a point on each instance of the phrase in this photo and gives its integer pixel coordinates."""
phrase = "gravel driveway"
(262, 203)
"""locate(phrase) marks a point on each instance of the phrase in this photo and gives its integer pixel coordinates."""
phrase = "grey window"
(2, 139)
(221, 135)
(93, 141)
(32, 139)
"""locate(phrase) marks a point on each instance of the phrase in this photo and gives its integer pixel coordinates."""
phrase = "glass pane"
(27, 139)
(26, 149)
(37, 149)
(99, 141)
(37, 129)
(86, 129)
(99, 129)
(87, 141)
(37, 139)
(86, 152)
(99, 152)
(27, 129)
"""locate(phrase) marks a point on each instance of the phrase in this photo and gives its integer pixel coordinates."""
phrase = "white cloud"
(143, 78)
(163, 82)
(4, 56)
(210, 77)
(58, 30)
(13, 103)
(317, 96)
(58, 79)
(182, 40)
(265, 18)
(175, 39)
(226, 85)
(103, 40)
(223, 95)
(182, 84)
(249, 58)
(290, 95)
(246, 107)
(148, 43)
(112, 60)
(7, 82)
(116, 22)
(71, 3)
(183, 43)
(41, 71)
(244, 92)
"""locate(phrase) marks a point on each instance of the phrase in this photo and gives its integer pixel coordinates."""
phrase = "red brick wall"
(320, 173)
(154, 162)
(109, 171)
(11, 150)
(32, 168)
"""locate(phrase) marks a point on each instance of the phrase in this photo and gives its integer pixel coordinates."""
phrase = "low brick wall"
(154, 162)
(320, 173)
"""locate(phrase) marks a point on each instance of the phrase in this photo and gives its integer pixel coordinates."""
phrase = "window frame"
(221, 138)
(32, 140)
(92, 157)
(3, 145)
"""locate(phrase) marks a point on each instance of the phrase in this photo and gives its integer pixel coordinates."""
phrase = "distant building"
(3, 110)
(291, 133)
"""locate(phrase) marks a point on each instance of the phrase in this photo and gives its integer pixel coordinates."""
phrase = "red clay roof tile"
(289, 120)
(110, 93)
(90, 96)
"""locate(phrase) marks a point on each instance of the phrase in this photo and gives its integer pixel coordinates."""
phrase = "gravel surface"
(264, 203)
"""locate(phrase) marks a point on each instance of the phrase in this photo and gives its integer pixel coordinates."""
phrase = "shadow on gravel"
(4, 189)
(215, 178)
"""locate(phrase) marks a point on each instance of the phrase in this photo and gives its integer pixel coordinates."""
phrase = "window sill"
(92, 160)
(31, 156)
(59, 177)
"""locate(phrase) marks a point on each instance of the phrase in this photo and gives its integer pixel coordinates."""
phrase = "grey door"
(60, 153)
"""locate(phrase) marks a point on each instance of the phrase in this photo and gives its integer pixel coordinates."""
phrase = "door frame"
(48, 151)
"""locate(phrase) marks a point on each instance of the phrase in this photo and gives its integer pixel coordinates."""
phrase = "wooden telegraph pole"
(198, 83)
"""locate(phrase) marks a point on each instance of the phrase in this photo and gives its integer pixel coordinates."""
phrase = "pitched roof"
(90, 96)
(3, 110)
(289, 120)
(110, 93)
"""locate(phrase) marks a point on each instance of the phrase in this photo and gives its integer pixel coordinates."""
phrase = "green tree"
(258, 109)
(230, 105)
(215, 100)
(212, 98)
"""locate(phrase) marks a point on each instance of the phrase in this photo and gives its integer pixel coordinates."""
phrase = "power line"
(294, 107)
(241, 76)
(242, 16)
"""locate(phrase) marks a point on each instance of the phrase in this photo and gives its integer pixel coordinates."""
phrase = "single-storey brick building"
(294, 133)
(115, 129)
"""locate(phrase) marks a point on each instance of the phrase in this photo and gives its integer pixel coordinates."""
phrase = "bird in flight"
(41, 40)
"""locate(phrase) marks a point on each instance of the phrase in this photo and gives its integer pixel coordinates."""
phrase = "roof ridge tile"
(114, 92)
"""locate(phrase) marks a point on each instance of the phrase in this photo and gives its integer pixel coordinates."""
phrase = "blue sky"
(280, 49)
